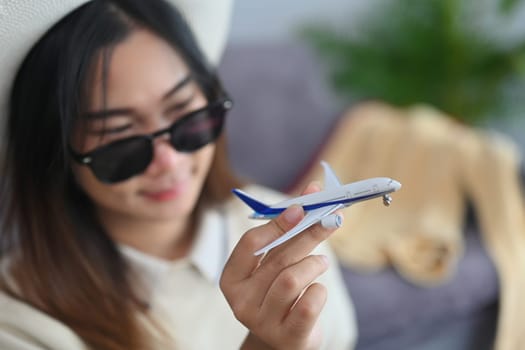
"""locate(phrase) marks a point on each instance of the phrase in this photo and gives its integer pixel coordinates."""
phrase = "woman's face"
(148, 88)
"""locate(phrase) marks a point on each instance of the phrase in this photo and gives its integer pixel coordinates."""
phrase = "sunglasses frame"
(87, 158)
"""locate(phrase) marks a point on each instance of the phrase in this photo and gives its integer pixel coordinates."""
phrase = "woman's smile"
(167, 193)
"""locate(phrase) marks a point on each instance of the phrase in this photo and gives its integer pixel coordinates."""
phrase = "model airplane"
(321, 206)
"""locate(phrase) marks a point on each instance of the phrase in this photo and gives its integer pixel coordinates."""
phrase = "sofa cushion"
(394, 314)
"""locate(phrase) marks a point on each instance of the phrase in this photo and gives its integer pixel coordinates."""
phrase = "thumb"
(287, 219)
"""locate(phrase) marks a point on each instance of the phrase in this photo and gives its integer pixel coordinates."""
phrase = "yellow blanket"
(441, 164)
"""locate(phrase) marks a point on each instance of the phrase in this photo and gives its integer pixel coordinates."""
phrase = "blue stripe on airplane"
(276, 211)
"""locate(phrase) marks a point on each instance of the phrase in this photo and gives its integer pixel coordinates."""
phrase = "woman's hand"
(274, 296)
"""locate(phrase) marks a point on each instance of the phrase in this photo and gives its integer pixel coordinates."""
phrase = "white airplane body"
(320, 206)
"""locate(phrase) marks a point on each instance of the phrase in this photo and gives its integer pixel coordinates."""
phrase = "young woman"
(116, 227)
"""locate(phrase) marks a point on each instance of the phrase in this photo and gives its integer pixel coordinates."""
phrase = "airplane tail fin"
(253, 203)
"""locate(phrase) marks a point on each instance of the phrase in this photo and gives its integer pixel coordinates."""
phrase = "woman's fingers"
(242, 262)
(305, 313)
(243, 265)
(299, 328)
(291, 252)
(243, 292)
(289, 284)
(282, 257)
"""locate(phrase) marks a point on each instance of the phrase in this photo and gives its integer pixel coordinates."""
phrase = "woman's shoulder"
(25, 327)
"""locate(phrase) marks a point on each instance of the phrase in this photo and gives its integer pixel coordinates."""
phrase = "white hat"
(24, 22)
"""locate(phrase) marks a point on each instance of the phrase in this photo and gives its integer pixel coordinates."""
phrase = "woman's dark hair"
(60, 258)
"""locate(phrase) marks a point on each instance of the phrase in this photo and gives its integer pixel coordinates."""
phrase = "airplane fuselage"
(345, 194)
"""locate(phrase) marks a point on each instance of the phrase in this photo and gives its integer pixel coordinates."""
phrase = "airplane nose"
(395, 184)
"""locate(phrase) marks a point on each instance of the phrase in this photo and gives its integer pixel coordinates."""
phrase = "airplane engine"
(332, 221)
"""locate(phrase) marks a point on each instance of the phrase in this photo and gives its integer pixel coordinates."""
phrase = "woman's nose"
(165, 156)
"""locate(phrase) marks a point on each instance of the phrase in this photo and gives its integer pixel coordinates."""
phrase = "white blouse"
(184, 295)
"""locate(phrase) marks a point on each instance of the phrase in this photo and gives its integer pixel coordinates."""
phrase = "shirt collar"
(210, 248)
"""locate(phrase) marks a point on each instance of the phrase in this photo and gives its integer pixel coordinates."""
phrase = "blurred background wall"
(275, 21)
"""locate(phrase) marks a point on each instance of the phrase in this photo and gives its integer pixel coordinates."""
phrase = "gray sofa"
(283, 113)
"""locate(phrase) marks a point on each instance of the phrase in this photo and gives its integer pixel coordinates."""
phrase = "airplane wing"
(311, 218)
(330, 178)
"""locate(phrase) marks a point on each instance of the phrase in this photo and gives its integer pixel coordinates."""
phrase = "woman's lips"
(166, 194)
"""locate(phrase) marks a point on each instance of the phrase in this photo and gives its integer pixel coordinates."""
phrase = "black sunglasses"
(122, 159)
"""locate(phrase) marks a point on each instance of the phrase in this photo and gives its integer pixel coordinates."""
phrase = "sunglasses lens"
(201, 129)
(122, 160)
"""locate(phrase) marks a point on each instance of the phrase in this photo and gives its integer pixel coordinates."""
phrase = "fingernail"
(293, 214)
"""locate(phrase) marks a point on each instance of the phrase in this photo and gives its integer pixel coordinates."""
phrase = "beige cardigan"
(441, 163)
